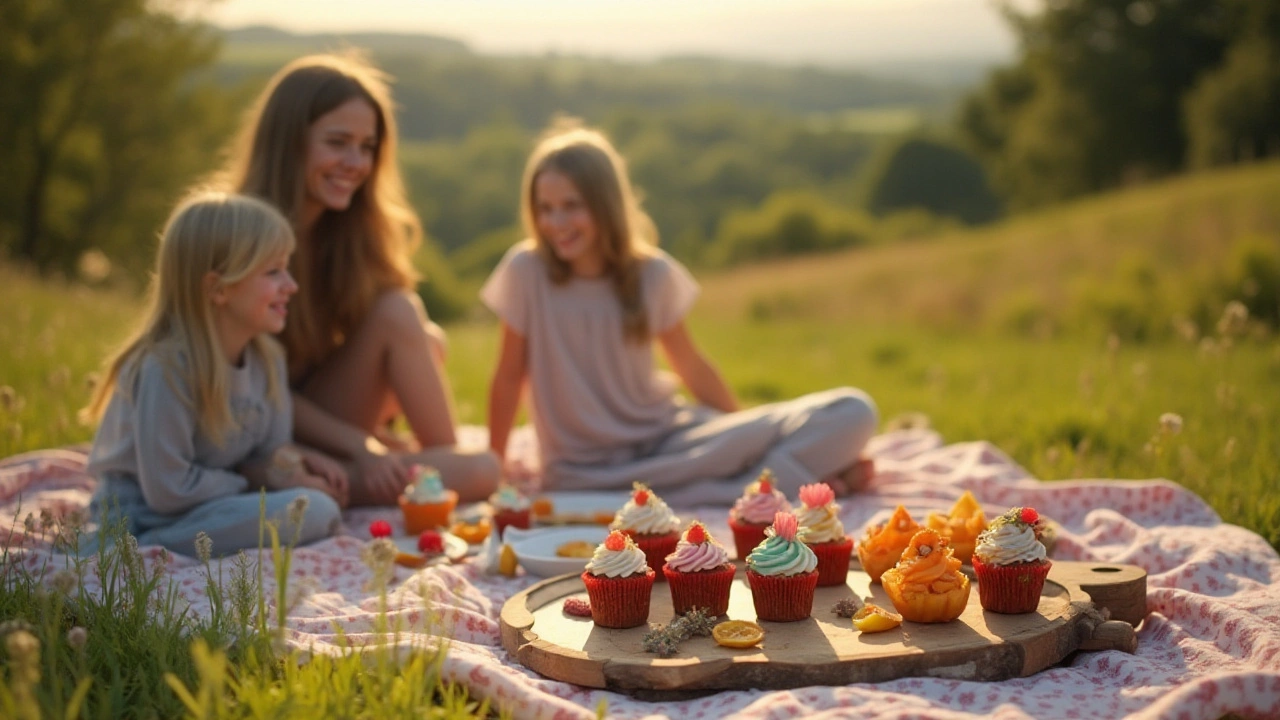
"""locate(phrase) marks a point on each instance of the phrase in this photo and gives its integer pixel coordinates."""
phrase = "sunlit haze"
(830, 32)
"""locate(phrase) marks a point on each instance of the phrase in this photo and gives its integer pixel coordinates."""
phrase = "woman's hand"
(382, 474)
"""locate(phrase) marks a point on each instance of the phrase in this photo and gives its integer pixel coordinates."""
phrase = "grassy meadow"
(1062, 337)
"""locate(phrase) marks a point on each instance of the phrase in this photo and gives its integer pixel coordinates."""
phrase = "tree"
(922, 172)
(107, 118)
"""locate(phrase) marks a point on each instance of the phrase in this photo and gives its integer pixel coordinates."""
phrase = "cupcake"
(619, 582)
(1010, 563)
(426, 503)
(699, 573)
(510, 508)
(783, 573)
(882, 545)
(752, 513)
(961, 527)
(824, 533)
(926, 585)
(648, 520)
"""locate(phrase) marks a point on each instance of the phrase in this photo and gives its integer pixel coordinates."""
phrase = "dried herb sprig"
(665, 639)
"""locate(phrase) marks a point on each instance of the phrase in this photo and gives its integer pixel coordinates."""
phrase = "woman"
(320, 144)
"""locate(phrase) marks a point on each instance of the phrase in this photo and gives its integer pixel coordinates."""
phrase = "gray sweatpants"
(710, 457)
(230, 521)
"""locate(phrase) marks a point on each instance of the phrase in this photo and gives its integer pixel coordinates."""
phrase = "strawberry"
(766, 487)
(380, 528)
(640, 497)
(696, 534)
(1029, 515)
(430, 542)
(616, 541)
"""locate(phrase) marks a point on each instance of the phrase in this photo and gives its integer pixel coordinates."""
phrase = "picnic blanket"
(1210, 646)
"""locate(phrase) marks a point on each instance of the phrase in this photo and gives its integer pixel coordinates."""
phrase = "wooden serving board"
(825, 649)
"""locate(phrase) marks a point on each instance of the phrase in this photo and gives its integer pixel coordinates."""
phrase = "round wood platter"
(825, 649)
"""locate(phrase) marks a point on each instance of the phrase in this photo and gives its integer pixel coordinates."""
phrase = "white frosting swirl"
(508, 498)
(821, 523)
(652, 518)
(1009, 543)
(428, 489)
(617, 563)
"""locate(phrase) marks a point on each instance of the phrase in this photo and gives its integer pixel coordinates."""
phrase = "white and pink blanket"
(1210, 646)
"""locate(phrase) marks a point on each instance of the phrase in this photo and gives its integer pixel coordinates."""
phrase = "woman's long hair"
(626, 233)
(348, 257)
(231, 236)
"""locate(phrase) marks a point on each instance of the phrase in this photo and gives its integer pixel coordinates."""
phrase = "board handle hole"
(1106, 569)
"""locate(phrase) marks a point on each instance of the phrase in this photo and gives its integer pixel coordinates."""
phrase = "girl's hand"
(317, 464)
(324, 485)
(382, 475)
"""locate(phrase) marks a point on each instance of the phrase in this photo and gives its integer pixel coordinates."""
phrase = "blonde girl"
(195, 415)
(320, 145)
(583, 301)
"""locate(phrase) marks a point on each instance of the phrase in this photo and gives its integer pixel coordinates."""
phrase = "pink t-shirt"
(595, 396)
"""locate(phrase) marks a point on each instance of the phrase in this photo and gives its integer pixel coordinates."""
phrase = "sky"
(827, 32)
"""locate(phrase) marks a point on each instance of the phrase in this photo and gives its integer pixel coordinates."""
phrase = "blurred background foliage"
(114, 106)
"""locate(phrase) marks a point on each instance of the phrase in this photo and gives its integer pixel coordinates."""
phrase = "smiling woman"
(320, 145)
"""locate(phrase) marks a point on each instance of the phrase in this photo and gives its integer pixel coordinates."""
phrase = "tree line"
(114, 106)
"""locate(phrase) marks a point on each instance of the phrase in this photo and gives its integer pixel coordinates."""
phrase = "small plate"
(455, 548)
(536, 549)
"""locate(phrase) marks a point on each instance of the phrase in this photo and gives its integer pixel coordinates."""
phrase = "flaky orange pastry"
(882, 545)
(926, 585)
(961, 527)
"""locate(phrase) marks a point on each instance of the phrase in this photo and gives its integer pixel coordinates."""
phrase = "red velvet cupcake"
(754, 511)
(699, 573)
(782, 573)
(619, 583)
(510, 509)
(651, 524)
(1010, 563)
(822, 531)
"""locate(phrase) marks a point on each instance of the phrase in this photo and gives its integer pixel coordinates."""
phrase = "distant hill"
(445, 88)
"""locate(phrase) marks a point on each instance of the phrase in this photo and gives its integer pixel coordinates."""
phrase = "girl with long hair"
(320, 145)
(195, 415)
(583, 301)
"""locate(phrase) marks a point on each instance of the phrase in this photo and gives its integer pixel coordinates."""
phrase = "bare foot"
(858, 475)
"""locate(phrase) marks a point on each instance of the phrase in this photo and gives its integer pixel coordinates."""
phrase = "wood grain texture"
(824, 649)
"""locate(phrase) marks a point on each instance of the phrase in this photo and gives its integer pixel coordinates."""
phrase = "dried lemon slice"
(507, 561)
(737, 633)
(873, 619)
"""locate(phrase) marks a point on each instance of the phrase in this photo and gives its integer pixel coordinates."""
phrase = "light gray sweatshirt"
(149, 435)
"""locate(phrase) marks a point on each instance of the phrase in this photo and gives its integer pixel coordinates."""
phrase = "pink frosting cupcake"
(754, 512)
(699, 573)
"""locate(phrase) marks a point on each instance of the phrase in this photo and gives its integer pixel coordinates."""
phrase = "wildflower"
(298, 510)
(76, 519)
(77, 637)
(8, 398)
(91, 381)
(204, 546)
(46, 519)
(29, 523)
(1235, 316)
(60, 377)
(1229, 450)
(64, 581)
(24, 660)
(379, 555)
(1186, 328)
(1171, 423)
(1113, 343)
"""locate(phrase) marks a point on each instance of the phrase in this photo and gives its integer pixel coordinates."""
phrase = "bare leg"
(852, 479)
(392, 361)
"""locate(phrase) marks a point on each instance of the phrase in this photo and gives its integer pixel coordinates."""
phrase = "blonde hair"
(229, 235)
(626, 233)
(347, 258)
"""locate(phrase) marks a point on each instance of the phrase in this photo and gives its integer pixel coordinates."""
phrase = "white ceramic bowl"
(536, 549)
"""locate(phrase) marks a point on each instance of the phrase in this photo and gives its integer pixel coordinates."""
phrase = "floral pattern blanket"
(1209, 647)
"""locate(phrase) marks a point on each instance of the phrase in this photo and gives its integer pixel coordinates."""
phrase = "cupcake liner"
(708, 589)
(656, 548)
(746, 536)
(1010, 589)
(428, 516)
(833, 561)
(782, 598)
(502, 519)
(619, 602)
